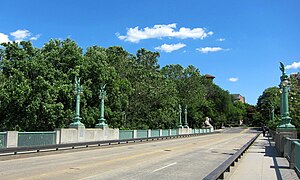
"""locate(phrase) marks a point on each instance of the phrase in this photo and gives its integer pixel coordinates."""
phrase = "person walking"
(264, 130)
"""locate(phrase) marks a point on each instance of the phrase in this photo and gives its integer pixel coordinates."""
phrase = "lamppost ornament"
(180, 122)
(284, 106)
(77, 91)
(102, 95)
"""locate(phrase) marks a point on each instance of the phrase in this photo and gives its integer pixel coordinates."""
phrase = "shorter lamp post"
(185, 117)
(284, 106)
(77, 91)
(180, 122)
(272, 113)
(102, 94)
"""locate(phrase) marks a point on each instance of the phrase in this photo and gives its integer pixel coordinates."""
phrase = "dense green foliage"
(271, 98)
(36, 89)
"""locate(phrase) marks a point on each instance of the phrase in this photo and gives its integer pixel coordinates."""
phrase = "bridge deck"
(186, 158)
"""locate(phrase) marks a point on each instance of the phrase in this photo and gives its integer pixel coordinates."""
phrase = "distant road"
(185, 158)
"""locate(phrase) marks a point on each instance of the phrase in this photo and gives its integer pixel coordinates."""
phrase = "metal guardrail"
(36, 138)
(3, 139)
(16, 150)
(297, 157)
(218, 173)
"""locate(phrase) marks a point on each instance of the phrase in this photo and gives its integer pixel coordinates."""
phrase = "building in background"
(210, 77)
(238, 97)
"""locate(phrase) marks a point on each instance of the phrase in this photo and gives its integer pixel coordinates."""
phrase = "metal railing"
(297, 156)
(174, 131)
(126, 134)
(155, 133)
(3, 139)
(165, 132)
(36, 138)
(142, 133)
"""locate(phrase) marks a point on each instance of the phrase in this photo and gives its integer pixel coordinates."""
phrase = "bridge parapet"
(81, 134)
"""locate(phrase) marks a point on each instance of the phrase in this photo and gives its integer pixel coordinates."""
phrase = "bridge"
(192, 157)
(208, 156)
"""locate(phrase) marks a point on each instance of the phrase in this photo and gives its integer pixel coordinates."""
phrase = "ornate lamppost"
(77, 91)
(272, 113)
(180, 122)
(185, 117)
(102, 94)
(284, 106)
(285, 128)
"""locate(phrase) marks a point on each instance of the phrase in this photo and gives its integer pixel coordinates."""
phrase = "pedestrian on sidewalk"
(264, 130)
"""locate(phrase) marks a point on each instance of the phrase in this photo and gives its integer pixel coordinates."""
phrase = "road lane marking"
(244, 131)
(164, 167)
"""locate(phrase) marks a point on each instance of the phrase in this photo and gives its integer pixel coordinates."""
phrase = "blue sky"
(239, 42)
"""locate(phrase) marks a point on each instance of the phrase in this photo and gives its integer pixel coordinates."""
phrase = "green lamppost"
(185, 117)
(102, 94)
(284, 105)
(77, 91)
(272, 113)
(180, 122)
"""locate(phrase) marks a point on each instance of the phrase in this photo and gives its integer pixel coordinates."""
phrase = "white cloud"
(294, 65)
(209, 49)
(233, 79)
(4, 38)
(160, 31)
(20, 35)
(221, 39)
(34, 38)
(17, 36)
(170, 47)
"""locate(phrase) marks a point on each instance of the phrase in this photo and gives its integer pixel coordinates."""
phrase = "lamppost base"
(180, 126)
(76, 124)
(286, 123)
(101, 124)
(186, 126)
(286, 126)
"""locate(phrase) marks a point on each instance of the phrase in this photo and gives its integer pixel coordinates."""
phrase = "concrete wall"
(82, 134)
(185, 130)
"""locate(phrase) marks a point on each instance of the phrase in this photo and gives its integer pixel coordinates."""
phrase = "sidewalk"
(261, 162)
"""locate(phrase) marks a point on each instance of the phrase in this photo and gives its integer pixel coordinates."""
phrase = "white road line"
(164, 167)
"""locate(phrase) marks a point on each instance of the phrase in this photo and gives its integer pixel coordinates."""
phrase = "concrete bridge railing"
(75, 135)
(290, 149)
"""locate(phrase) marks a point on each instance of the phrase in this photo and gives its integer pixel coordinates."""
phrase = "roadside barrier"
(219, 172)
(30, 149)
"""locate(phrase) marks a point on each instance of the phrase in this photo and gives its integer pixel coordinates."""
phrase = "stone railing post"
(12, 139)
(160, 132)
(134, 134)
(149, 133)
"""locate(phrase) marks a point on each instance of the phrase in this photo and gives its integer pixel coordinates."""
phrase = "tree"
(294, 99)
(36, 88)
(270, 99)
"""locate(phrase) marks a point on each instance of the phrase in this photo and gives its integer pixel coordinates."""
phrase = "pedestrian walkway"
(261, 162)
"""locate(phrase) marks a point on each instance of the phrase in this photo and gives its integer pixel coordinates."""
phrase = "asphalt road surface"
(184, 158)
